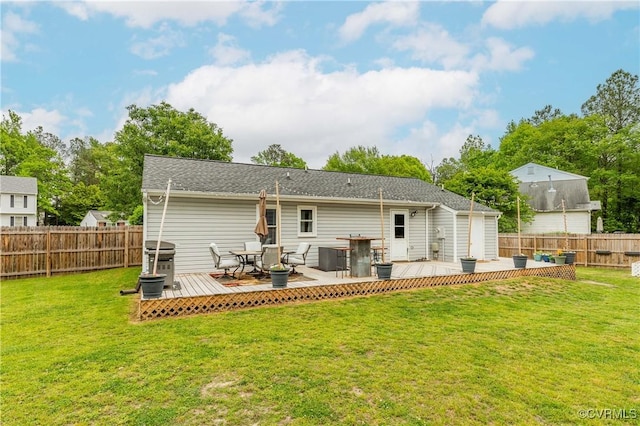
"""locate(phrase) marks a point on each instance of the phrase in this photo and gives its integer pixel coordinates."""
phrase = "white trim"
(314, 221)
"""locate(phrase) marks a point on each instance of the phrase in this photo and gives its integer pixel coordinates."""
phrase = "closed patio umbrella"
(262, 229)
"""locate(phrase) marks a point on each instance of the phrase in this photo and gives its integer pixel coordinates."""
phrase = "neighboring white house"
(548, 189)
(18, 201)
(100, 218)
(214, 201)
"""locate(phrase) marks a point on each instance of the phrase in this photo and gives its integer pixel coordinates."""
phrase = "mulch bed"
(246, 279)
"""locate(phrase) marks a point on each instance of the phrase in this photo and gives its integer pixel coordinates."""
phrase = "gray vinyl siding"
(444, 219)
(192, 224)
(490, 237)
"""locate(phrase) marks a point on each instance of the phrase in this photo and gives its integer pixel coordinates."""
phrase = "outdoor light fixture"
(551, 188)
(413, 213)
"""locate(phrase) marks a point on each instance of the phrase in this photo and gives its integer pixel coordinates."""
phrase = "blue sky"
(317, 78)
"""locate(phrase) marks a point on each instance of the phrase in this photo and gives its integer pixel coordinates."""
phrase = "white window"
(18, 221)
(307, 220)
(25, 202)
(12, 201)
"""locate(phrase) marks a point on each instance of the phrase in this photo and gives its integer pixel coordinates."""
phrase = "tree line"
(603, 143)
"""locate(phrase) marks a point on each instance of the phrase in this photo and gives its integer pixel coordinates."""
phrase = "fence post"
(49, 251)
(126, 246)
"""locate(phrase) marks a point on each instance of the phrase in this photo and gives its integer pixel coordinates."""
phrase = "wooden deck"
(200, 293)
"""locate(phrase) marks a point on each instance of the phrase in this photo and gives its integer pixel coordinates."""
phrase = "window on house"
(12, 201)
(12, 220)
(272, 225)
(307, 221)
(25, 202)
(24, 221)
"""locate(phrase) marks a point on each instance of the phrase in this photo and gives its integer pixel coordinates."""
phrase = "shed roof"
(218, 177)
(18, 185)
(548, 196)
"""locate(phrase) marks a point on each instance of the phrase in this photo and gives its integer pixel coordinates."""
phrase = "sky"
(318, 78)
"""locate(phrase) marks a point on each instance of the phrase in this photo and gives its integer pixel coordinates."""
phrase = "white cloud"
(501, 56)
(432, 44)
(49, 120)
(146, 13)
(14, 26)
(508, 15)
(227, 52)
(160, 45)
(288, 100)
(390, 12)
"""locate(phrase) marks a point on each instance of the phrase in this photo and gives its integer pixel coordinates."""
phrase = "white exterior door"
(477, 237)
(399, 233)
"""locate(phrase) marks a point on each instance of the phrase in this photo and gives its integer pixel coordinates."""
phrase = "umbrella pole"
(473, 194)
(519, 242)
(279, 222)
(164, 212)
(382, 222)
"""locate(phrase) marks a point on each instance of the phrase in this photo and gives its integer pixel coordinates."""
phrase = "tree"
(545, 114)
(76, 203)
(161, 130)
(23, 154)
(366, 160)
(497, 189)
(618, 99)
(276, 156)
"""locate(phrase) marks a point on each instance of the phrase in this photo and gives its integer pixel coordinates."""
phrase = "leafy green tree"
(78, 201)
(366, 160)
(161, 130)
(23, 154)
(137, 217)
(618, 99)
(497, 189)
(276, 156)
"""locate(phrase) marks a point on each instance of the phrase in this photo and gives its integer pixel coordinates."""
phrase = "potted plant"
(152, 283)
(571, 257)
(469, 262)
(383, 269)
(279, 275)
(545, 257)
(537, 256)
(560, 258)
(520, 259)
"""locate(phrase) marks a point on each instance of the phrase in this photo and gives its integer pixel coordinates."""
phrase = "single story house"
(556, 197)
(18, 201)
(213, 201)
(100, 218)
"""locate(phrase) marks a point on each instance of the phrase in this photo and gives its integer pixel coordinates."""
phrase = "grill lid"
(164, 245)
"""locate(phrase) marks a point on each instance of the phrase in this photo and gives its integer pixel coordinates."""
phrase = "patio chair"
(224, 262)
(268, 258)
(255, 246)
(297, 258)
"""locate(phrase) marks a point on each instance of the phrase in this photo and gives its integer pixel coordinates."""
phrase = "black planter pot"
(571, 257)
(152, 285)
(279, 278)
(468, 265)
(519, 261)
(384, 270)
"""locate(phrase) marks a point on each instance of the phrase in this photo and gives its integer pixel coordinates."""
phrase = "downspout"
(145, 261)
(426, 234)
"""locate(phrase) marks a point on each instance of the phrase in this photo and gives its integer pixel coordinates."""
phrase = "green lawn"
(526, 351)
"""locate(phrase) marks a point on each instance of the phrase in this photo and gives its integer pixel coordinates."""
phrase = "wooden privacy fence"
(609, 250)
(36, 251)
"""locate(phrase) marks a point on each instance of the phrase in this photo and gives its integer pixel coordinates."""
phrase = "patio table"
(243, 255)
(360, 251)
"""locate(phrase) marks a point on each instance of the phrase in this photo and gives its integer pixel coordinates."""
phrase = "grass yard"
(526, 351)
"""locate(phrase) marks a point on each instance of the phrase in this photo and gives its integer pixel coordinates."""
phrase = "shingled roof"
(18, 185)
(218, 177)
(548, 196)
